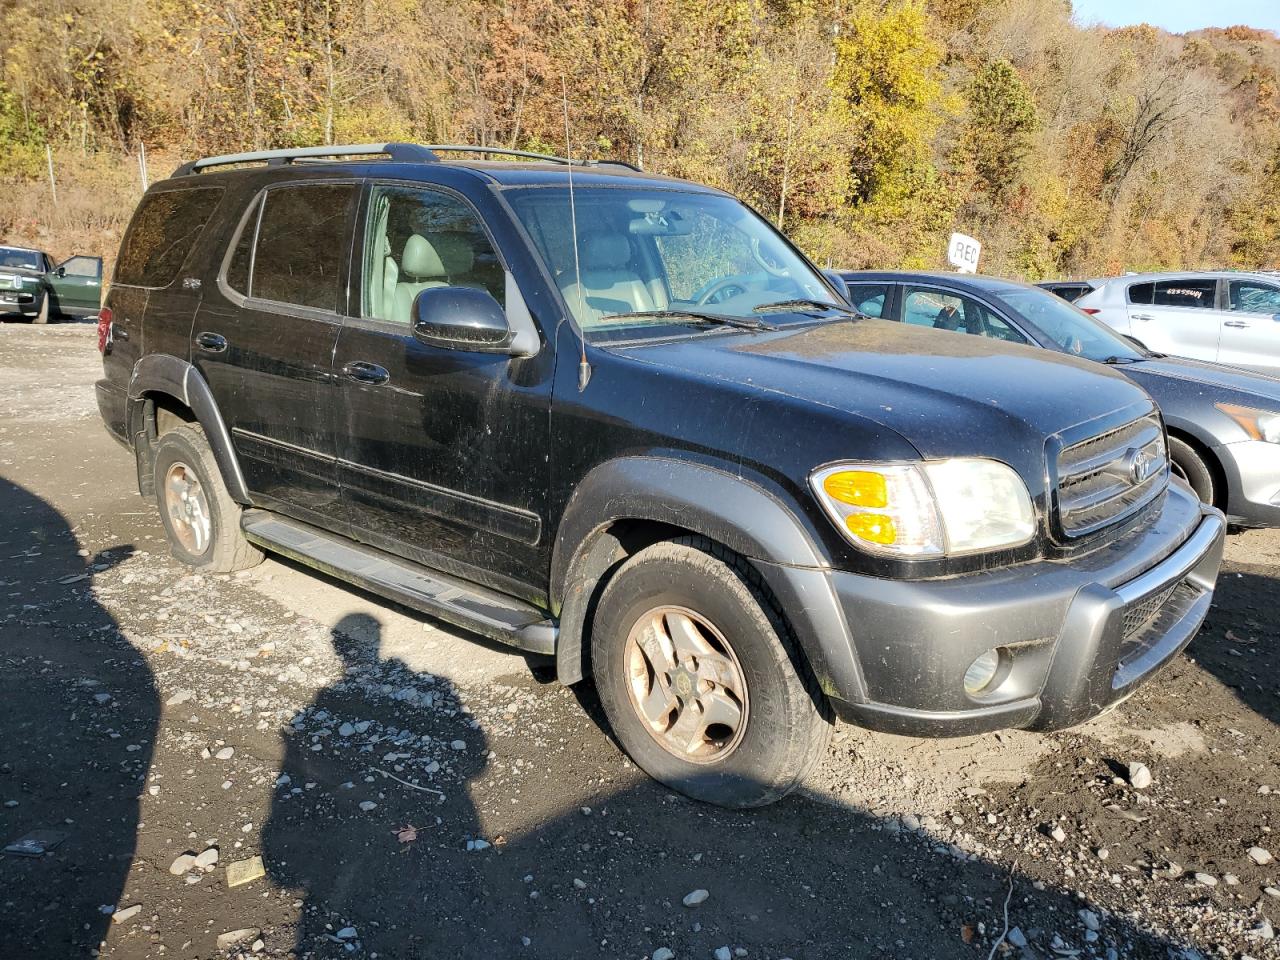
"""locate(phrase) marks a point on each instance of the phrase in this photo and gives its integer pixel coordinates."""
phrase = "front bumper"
(25, 302)
(1252, 469)
(1076, 636)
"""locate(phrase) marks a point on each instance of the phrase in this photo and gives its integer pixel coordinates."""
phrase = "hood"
(30, 278)
(948, 394)
(1216, 375)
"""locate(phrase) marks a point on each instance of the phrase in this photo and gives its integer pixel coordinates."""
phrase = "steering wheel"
(719, 291)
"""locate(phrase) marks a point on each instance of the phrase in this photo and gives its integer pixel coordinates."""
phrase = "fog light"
(981, 672)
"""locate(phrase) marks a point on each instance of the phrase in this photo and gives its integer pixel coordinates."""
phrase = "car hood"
(8, 272)
(948, 394)
(1218, 375)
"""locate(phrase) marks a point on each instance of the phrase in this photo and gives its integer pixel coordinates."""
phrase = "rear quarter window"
(164, 229)
(1141, 293)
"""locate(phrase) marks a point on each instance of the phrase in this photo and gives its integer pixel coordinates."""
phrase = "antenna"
(584, 368)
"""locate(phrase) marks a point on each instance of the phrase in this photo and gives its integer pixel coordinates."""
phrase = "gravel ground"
(275, 765)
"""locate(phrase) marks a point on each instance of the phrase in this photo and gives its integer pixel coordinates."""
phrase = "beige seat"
(428, 263)
(609, 285)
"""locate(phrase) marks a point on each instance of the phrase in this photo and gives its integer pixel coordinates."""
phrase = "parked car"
(32, 286)
(617, 419)
(1223, 422)
(1069, 290)
(1221, 317)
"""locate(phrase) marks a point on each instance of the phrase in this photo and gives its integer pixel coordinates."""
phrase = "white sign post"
(963, 253)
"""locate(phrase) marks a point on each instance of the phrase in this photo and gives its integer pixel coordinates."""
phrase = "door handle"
(211, 342)
(1238, 324)
(362, 371)
(1143, 316)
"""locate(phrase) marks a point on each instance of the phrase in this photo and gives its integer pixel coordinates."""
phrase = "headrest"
(456, 252)
(420, 259)
(605, 251)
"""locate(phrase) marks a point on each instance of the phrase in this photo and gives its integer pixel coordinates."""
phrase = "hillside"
(868, 130)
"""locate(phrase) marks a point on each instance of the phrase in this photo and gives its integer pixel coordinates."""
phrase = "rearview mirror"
(461, 318)
(837, 281)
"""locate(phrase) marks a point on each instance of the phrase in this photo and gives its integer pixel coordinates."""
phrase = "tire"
(42, 315)
(1189, 465)
(783, 717)
(201, 521)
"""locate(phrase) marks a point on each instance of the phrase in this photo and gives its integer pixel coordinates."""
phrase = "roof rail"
(402, 152)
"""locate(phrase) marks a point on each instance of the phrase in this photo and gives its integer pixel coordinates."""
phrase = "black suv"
(618, 419)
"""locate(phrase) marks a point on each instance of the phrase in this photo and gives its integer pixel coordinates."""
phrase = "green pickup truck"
(32, 286)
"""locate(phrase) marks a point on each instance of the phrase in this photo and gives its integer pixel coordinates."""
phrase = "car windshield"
(651, 259)
(1069, 327)
(21, 259)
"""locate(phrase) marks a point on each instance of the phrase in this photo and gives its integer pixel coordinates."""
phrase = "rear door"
(264, 342)
(1177, 316)
(77, 285)
(1251, 328)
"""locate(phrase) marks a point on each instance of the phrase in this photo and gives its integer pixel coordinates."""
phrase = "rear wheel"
(1186, 463)
(700, 677)
(200, 519)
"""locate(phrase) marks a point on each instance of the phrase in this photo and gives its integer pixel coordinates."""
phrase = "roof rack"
(401, 152)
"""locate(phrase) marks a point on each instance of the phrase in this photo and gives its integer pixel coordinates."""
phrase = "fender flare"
(725, 507)
(174, 377)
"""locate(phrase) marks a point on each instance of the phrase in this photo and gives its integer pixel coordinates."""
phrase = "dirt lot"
(415, 793)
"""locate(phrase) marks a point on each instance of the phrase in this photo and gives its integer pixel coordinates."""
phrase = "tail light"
(104, 329)
(1091, 311)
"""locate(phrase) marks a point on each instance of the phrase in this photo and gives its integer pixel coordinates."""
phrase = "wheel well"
(156, 414)
(593, 566)
(1210, 461)
(166, 413)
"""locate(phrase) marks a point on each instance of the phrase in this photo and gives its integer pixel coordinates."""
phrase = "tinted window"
(83, 267)
(301, 238)
(418, 239)
(1253, 296)
(951, 311)
(238, 269)
(162, 233)
(869, 298)
(1141, 293)
(1185, 293)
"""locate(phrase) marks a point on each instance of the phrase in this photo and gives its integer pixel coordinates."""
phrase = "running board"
(486, 612)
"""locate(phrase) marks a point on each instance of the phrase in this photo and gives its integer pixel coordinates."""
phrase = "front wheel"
(42, 315)
(200, 519)
(700, 678)
(1187, 464)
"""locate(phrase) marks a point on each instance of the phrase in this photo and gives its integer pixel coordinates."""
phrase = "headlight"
(929, 509)
(1258, 424)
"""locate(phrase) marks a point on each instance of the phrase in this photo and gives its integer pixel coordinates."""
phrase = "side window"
(1185, 293)
(302, 234)
(164, 229)
(237, 276)
(90, 267)
(1140, 293)
(950, 311)
(416, 239)
(869, 298)
(1253, 296)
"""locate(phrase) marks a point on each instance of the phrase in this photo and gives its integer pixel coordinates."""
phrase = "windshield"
(652, 254)
(1070, 328)
(22, 259)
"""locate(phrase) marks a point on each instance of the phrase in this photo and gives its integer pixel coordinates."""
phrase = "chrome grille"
(1107, 477)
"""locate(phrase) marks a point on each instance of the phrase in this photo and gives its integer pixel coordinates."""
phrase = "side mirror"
(61, 272)
(837, 281)
(461, 318)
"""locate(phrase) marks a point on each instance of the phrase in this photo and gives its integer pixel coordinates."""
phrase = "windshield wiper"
(1121, 360)
(804, 305)
(719, 319)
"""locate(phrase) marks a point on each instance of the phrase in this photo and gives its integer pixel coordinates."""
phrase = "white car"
(1221, 317)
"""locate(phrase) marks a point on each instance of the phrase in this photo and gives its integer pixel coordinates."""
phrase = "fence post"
(142, 165)
(53, 186)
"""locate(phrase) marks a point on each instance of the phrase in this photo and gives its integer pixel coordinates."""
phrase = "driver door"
(443, 452)
(77, 285)
(1251, 328)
